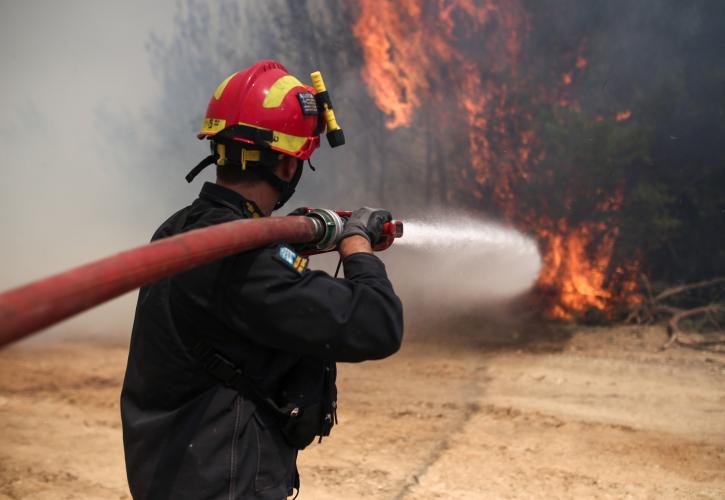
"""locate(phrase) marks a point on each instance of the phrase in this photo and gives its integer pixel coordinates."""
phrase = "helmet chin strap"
(286, 189)
(234, 154)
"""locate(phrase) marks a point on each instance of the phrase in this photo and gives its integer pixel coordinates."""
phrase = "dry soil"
(532, 413)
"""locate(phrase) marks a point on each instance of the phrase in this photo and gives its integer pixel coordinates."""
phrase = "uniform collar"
(229, 198)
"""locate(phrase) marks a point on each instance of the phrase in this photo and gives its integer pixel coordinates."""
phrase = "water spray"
(458, 232)
(458, 261)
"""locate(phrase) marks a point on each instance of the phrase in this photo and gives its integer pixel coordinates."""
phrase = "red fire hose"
(27, 309)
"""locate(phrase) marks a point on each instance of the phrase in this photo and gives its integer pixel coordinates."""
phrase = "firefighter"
(231, 367)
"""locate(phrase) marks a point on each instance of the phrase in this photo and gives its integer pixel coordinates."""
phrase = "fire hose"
(31, 307)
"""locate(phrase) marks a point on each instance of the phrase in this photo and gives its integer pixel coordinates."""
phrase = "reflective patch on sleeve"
(288, 256)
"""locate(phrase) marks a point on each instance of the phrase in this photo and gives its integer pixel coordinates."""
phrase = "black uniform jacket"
(187, 436)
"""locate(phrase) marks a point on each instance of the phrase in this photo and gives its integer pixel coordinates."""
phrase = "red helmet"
(265, 106)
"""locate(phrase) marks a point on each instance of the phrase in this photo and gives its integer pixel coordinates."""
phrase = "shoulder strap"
(232, 376)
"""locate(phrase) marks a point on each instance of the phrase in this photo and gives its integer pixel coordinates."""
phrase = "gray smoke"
(70, 189)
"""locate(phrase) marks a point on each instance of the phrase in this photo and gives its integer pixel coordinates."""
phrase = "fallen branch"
(673, 325)
(652, 309)
(686, 288)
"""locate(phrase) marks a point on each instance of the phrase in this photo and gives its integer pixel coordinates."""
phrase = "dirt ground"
(564, 413)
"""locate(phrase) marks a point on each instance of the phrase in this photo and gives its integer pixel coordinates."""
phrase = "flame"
(577, 274)
(623, 115)
(399, 73)
(459, 61)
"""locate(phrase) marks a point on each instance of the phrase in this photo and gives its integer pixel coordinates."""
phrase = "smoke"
(71, 189)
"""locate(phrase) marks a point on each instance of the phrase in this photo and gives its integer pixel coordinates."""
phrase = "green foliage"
(659, 60)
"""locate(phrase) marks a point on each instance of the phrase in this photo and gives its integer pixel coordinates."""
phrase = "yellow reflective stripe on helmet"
(286, 142)
(220, 89)
(279, 89)
(213, 125)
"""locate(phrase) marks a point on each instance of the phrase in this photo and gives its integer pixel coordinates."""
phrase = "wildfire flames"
(419, 54)
(623, 115)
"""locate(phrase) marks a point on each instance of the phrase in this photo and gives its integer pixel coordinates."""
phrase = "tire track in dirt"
(505, 452)
(569, 425)
(471, 392)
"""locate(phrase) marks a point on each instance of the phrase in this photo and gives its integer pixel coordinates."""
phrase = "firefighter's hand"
(366, 222)
(354, 244)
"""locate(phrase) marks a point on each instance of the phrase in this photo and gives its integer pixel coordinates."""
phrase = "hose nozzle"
(330, 224)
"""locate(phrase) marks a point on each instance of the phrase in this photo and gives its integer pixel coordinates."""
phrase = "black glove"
(298, 211)
(366, 222)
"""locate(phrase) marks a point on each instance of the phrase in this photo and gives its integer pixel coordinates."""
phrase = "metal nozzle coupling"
(329, 228)
(335, 136)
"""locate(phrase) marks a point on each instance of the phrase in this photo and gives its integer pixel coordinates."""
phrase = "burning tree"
(465, 64)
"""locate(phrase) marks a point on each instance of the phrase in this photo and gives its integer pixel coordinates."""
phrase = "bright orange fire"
(623, 115)
(419, 55)
(398, 78)
(568, 266)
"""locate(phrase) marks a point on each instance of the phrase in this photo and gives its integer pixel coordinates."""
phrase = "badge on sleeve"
(290, 257)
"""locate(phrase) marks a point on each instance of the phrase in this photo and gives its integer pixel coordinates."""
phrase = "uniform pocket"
(276, 458)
